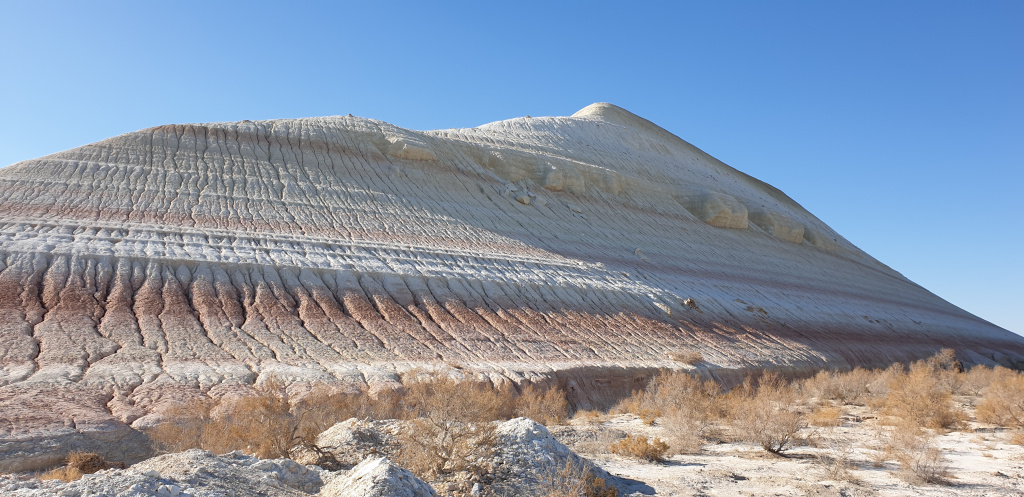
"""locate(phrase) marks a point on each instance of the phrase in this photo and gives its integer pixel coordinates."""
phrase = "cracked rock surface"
(174, 261)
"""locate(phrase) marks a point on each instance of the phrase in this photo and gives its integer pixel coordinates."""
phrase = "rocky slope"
(148, 267)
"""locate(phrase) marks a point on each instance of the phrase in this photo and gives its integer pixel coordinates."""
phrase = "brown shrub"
(844, 387)
(1003, 400)
(546, 406)
(921, 398)
(976, 380)
(87, 462)
(640, 447)
(765, 415)
(63, 473)
(78, 465)
(920, 461)
(448, 429)
(835, 458)
(260, 423)
(690, 410)
(590, 417)
(574, 480)
(692, 404)
(827, 416)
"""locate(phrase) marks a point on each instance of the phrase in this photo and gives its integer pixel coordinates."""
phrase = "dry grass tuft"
(574, 480)
(639, 447)
(78, 465)
(826, 416)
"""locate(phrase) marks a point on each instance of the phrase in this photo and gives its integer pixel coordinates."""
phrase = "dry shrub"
(827, 416)
(574, 480)
(920, 461)
(590, 417)
(448, 429)
(78, 465)
(690, 409)
(185, 426)
(546, 406)
(976, 380)
(843, 387)
(692, 404)
(882, 379)
(640, 447)
(835, 458)
(640, 403)
(1003, 401)
(920, 397)
(1017, 438)
(765, 415)
(260, 423)
(64, 473)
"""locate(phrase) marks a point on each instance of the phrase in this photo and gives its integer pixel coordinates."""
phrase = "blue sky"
(900, 124)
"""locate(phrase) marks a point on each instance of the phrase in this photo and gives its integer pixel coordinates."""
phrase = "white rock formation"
(193, 473)
(377, 477)
(144, 268)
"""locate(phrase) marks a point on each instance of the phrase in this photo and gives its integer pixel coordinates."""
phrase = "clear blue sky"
(900, 124)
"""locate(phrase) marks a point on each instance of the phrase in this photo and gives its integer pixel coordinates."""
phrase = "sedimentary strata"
(186, 260)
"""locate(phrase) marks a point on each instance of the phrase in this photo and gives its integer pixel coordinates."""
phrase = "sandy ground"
(981, 459)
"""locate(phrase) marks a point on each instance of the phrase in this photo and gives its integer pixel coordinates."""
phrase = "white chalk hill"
(342, 249)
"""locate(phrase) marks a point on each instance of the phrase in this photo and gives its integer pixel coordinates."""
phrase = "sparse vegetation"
(546, 406)
(765, 415)
(79, 464)
(574, 480)
(1003, 400)
(640, 447)
(447, 430)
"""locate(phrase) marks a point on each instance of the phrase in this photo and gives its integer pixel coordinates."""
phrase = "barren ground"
(982, 461)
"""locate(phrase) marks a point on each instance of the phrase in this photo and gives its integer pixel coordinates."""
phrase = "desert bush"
(590, 417)
(878, 387)
(976, 380)
(546, 406)
(690, 408)
(573, 480)
(913, 448)
(843, 387)
(835, 458)
(78, 465)
(640, 447)
(827, 416)
(1003, 400)
(448, 425)
(259, 423)
(63, 473)
(920, 397)
(692, 404)
(765, 415)
(185, 426)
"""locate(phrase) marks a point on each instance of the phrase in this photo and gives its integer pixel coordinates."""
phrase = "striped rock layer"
(592, 248)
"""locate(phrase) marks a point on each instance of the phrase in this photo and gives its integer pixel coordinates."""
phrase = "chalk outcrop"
(174, 261)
